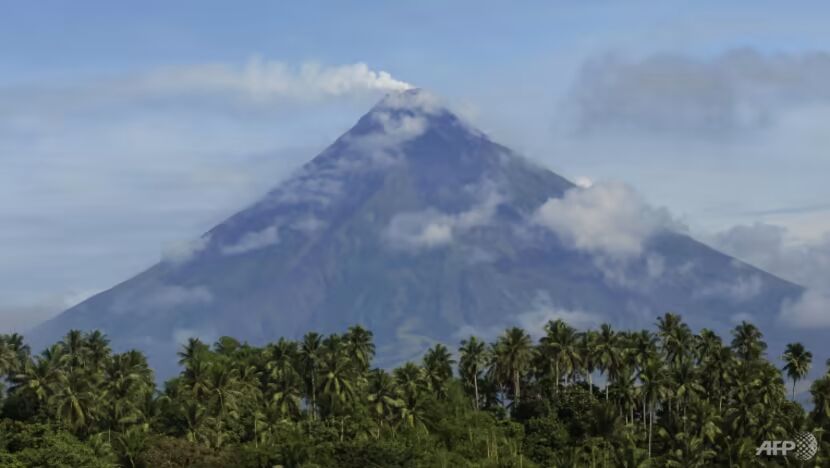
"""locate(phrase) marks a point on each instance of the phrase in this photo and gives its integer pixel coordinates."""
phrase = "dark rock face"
(420, 228)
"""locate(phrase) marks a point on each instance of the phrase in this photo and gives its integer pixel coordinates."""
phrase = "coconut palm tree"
(223, 399)
(359, 347)
(654, 388)
(226, 346)
(309, 360)
(686, 386)
(192, 350)
(675, 337)
(284, 395)
(74, 402)
(705, 345)
(820, 390)
(560, 348)
(337, 374)
(75, 352)
(609, 359)
(98, 349)
(410, 380)
(437, 365)
(512, 357)
(588, 356)
(797, 362)
(473, 358)
(384, 397)
(747, 342)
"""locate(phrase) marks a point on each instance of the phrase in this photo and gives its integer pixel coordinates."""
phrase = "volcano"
(419, 227)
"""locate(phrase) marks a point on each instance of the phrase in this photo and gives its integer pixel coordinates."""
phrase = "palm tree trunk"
(793, 389)
(590, 383)
(556, 384)
(650, 428)
(313, 396)
(516, 389)
(475, 385)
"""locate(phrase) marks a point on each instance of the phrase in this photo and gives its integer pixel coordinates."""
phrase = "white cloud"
(812, 310)
(738, 91)
(254, 241)
(584, 182)
(308, 224)
(432, 228)
(742, 289)
(182, 252)
(774, 249)
(423, 229)
(608, 218)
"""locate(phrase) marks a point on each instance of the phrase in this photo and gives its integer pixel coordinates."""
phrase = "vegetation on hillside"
(673, 398)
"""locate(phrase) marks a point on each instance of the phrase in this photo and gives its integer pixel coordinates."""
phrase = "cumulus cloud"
(609, 218)
(584, 182)
(738, 91)
(254, 241)
(741, 289)
(182, 252)
(433, 228)
(811, 310)
(428, 228)
(772, 248)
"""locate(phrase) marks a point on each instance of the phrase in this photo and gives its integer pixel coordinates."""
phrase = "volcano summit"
(422, 229)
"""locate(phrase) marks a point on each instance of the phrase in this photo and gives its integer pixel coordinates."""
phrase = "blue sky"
(718, 112)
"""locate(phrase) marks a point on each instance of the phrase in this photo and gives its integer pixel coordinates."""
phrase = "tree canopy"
(600, 398)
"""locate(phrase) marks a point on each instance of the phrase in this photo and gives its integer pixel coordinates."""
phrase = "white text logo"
(804, 447)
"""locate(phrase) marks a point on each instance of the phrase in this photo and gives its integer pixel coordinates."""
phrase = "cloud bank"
(806, 263)
(741, 90)
(431, 228)
(609, 218)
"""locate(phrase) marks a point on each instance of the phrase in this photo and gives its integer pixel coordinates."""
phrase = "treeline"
(666, 398)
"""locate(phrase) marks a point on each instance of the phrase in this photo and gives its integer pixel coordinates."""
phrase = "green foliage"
(668, 398)
(26, 444)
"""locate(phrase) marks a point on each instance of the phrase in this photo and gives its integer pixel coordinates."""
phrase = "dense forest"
(673, 398)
